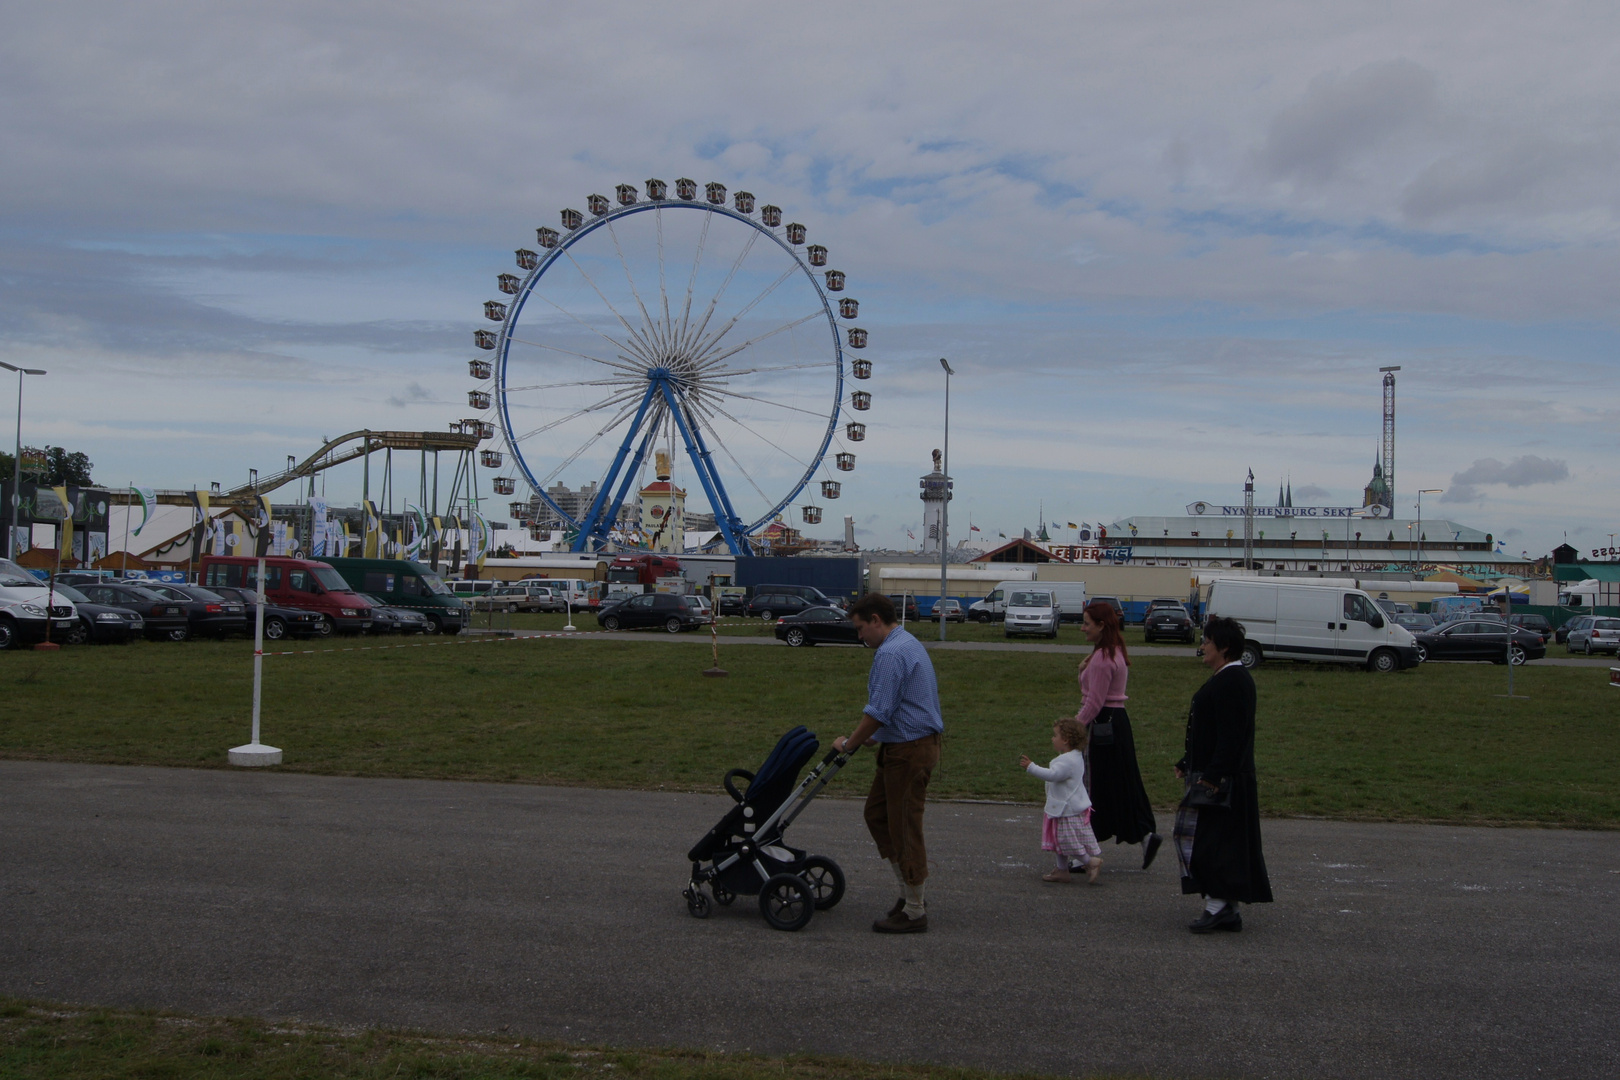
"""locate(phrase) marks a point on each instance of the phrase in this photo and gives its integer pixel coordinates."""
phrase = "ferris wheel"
(676, 329)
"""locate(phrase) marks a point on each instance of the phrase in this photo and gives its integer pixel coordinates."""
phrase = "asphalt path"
(1393, 951)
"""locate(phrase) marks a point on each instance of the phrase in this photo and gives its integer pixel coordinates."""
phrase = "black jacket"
(1227, 862)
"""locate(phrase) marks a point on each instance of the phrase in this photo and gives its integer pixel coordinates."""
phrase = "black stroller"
(745, 855)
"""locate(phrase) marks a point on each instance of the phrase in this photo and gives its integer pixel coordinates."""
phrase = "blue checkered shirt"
(901, 694)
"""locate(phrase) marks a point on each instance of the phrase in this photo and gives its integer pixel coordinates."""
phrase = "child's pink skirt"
(1070, 835)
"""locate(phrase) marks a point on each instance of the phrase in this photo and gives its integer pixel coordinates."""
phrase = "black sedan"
(771, 606)
(817, 626)
(393, 620)
(1167, 622)
(1478, 639)
(164, 618)
(665, 610)
(102, 624)
(279, 622)
(210, 614)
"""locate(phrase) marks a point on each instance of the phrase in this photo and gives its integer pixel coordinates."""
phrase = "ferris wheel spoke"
(647, 351)
(663, 295)
(729, 373)
(581, 382)
(736, 265)
(764, 401)
(708, 425)
(623, 363)
(615, 342)
(652, 327)
(779, 449)
(705, 364)
(606, 403)
(707, 346)
(691, 281)
(590, 442)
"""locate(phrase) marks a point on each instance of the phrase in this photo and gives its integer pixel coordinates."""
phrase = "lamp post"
(1417, 563)
(945, 506)
(16, 462)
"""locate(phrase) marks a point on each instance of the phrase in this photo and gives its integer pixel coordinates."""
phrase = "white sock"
(1213, 906)
(899, 874)
(916, 906)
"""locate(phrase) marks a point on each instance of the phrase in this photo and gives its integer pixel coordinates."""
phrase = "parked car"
(733, 603)
(768, 606)
(102, 624)
(808, 593)
(403, 583)
(1579, 622)
(817, 625)
(949, 609)
(1166, 602)
(1479, 639)
(164, 618)
(520, 597)
(279, 622)
(1076, 616)
(905, 605)
(298, 583)
(1168, 622)
(23, 602)
(394, 620)
(1414, 620)
(1392, 607)
(666, 610)
(1032, 610)
(1538, 623)
(1599, 636)
(701, 603)
(209, 614)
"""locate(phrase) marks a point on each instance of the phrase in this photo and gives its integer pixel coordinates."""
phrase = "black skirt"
(1119, 802)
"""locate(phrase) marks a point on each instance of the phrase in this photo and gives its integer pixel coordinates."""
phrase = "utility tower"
(1389, 433)
(1248, 522)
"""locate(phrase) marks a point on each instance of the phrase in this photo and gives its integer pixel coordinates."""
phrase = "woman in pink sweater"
(1120, 806)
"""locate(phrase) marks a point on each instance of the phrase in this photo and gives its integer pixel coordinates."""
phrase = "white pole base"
(254, 755)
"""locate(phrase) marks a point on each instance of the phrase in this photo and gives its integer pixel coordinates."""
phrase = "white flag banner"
(320, 531)
(148, 499)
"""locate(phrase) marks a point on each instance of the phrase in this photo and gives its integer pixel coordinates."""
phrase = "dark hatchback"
(817, 626)
(1478, 639)
(1167, 622)
(164, 618)
(208, 613)
(101, 624)
(394, 620)
(771, 606)
(279, 622)
(665, 610)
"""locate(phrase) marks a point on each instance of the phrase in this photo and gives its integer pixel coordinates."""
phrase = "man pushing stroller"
(902, 719)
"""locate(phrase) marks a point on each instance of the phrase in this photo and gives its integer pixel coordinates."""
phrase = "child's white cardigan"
(1065, 784)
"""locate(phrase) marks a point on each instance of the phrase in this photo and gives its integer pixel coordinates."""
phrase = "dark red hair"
(1111, 640)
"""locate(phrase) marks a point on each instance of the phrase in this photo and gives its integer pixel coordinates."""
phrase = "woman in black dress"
(1219, 846)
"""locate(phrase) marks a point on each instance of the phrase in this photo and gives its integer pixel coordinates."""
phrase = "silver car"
(1598, 636)
(1032, 611)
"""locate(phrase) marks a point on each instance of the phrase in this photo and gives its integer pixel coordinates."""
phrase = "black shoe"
(1225, 919)
(899, 906)
(1150, 848)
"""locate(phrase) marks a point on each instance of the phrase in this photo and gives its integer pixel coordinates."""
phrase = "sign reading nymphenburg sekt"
(1205, 509)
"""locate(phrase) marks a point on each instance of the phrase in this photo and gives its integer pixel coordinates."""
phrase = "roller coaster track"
(338, 451)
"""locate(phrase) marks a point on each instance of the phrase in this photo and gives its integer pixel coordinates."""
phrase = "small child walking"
(1066, 824)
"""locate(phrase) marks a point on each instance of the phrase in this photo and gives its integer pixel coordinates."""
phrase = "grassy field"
(54, 1042)
(1434, 744)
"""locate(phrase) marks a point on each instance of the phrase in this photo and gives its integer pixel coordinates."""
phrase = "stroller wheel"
(825, 879)
(723, 897)
(697, 903)
(786, 902)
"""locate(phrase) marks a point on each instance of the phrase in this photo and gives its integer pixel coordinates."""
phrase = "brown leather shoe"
(899, 906)
(901, 923)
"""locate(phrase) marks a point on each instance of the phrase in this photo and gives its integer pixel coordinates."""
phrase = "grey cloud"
(1311, 491)
(414, 394)
(1340, 118)
(1525, 169)
(1520, 472)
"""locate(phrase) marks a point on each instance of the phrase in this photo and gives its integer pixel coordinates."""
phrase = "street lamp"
(1417, 563)
(16, 462)
(945, 507)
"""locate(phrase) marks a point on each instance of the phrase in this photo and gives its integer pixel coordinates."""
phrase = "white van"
(1070, 597)
(1032, 609)
(575, 592)
(23, 600)
(1326, 623)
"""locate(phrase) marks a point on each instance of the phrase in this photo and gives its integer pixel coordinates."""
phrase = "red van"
(294, 583)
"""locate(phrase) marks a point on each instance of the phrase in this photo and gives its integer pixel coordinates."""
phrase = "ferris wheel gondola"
(683, 323)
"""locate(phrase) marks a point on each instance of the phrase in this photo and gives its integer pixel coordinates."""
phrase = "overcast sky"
(1161, 243)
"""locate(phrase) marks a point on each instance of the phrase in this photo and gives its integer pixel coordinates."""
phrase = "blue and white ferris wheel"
(684, 324)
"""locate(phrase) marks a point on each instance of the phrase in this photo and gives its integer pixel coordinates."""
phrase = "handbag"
(1202, 798)
(1102, 732)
